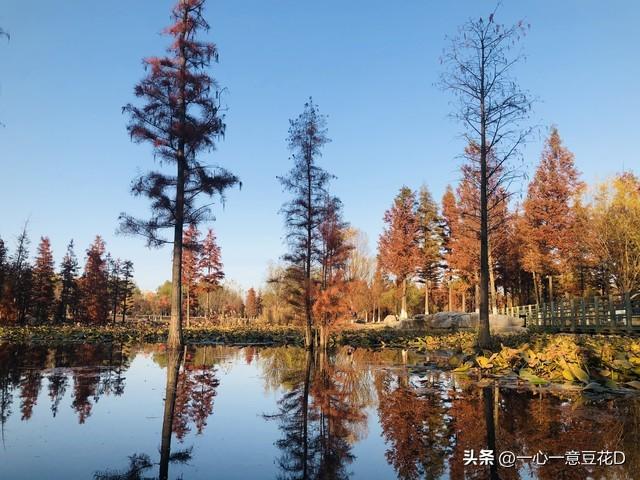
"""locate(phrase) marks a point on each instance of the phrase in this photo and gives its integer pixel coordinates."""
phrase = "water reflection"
(284, 413)
(320, 416)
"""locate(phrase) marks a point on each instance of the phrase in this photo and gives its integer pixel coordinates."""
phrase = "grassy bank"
(148, 333)
(256, 334)
(595, 363)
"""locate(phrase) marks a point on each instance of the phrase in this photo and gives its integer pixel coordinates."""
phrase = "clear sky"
(66, 160)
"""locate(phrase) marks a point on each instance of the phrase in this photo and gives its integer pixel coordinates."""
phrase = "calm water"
(251, 413)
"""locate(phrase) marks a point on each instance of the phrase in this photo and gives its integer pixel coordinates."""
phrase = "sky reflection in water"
(242, 413)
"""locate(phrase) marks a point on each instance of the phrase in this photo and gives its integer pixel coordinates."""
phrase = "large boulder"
(390, 320)
(460, 321)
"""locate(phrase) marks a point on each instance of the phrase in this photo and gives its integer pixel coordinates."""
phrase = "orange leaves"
(549, 211)
(398, 252)
(332, 302)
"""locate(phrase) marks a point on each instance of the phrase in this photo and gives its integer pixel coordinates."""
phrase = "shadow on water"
(318, 412)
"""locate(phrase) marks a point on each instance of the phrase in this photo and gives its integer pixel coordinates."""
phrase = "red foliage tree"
(549, 216)
(332, 301)
(94, 285)
(181, 119)
(251, 308)
(210, 267)
(43, 281)
(398, 253)
(190, 266)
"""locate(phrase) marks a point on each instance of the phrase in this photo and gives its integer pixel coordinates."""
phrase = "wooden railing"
(615, 313)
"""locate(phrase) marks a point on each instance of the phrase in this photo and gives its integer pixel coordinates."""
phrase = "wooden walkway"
(613, 314)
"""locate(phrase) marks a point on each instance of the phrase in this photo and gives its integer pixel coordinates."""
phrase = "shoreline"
(595, 364)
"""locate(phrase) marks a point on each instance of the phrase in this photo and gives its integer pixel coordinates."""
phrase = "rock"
(390, 320)
(458, 321)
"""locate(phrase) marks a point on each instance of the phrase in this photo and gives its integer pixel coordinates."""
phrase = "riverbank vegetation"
(594, 363)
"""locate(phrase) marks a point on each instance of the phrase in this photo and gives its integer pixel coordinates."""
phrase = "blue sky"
(66, 159)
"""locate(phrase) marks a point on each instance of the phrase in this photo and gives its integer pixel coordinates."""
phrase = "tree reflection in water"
(415, 425)
(323, 406)
(93, 370)
(190, 388)
(320, 415)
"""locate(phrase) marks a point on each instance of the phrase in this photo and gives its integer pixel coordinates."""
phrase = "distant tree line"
(563, 239)
(34, 291)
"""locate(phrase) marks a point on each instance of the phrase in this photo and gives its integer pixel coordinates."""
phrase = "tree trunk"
(450, 309)
(403, 305)
(490, 425)
(484, 333)
(307, 293)
(173, 367)
(174, 339)
(188, 305)
(426, 297)
(550, 279)
(305, 415)
(492, 284)
(175, 325)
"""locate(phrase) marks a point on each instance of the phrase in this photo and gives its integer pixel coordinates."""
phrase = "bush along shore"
(591, 363)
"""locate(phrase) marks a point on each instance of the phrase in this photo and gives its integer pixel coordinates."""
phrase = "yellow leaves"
(597, 363)
(483, 362)
(635, 361)
(623, 364)
(530, 357)
(566, 373)
(464, 368)
(579, 373)
(529, 376)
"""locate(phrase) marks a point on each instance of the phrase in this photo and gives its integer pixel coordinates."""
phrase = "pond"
(99, 411)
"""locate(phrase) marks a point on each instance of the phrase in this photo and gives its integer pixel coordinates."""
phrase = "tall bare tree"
(479, 64)
(307, 182)
(181, 118)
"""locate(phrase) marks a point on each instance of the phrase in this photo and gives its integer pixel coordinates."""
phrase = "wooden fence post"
(628, 312)
(583, 313)
(573, 315)
(612, 311)
(596, 308)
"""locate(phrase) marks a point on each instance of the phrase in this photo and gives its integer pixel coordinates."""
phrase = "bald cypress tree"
(95, 285)
(398, 248)
(308, 184)
(549, 216)
(429, 242)
(21, 278)
(181, 118)
(43, 282)
(492, 109)
(211, 268)
(70, 291)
